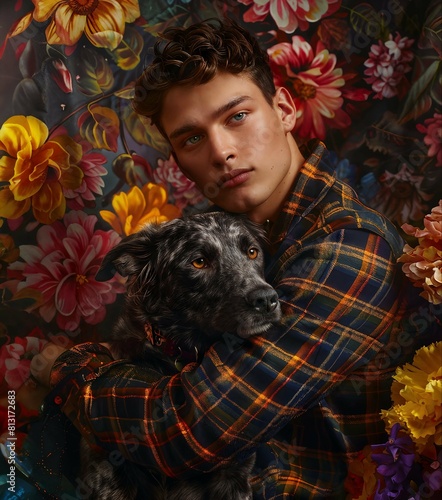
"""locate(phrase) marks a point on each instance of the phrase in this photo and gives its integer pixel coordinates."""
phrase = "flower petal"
(66, 295)
(49, 204)
(11, 208)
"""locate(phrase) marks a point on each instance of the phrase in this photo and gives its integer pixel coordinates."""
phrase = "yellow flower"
(417, 397)
(36, 169)
(102, 21)
(139, 207)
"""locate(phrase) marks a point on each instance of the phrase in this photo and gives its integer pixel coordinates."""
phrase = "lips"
(234, 177)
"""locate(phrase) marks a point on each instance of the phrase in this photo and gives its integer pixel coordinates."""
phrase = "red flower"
(62, 268)
(290, 15)
(316, 85)
(60, 74)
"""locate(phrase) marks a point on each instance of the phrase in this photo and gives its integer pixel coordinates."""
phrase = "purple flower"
(395, 462)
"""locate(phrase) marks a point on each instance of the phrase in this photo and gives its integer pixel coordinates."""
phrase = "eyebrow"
(188, 127)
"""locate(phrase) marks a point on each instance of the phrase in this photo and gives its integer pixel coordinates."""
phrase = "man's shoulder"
(339, 207)
(342, 209)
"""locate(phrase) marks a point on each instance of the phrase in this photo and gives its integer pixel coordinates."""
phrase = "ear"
(131, 255)
(286, 107)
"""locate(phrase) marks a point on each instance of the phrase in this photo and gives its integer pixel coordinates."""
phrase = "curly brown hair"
(193, 56)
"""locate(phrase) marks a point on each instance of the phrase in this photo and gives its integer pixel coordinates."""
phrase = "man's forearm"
(204, 415)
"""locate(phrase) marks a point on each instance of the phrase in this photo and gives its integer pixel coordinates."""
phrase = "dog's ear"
(131, 255)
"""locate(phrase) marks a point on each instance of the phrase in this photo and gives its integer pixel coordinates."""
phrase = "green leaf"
(432, 29)
(127, 54)
(159, 11)
(159, 15)
(95, 76)
(418, 99)
(145, 133)
(436, 92)
(100, 126)
(365, 20)
(126, 92)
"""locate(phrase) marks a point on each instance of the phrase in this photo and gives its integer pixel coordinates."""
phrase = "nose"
(222, 148)
(264, 300)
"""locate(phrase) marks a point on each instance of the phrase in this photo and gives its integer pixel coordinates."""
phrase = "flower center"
(83, 7)
(303, 90)
(81, 279)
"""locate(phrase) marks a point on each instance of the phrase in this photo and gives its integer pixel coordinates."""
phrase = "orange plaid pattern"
(305, 396)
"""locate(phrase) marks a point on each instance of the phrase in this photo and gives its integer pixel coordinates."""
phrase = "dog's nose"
(263, 299)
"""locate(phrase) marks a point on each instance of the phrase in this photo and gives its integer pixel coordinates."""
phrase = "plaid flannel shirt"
(305, 396)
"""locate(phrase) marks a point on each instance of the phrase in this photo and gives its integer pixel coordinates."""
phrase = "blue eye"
(193, 140)
(239, 116)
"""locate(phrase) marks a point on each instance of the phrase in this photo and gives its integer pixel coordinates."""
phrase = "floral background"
(79, 170)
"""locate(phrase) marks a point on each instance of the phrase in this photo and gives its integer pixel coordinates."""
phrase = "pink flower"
(15, 359)
(184, 190)
(62, 268)
(432, 129)
(423, 263)
(387, 65)
(288, 15)
(92, 166)
(315, 83)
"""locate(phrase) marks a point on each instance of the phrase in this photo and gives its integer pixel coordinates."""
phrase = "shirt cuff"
(86, 357)
(75, 367)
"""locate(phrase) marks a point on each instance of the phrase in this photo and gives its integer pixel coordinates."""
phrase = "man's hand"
(41, 364)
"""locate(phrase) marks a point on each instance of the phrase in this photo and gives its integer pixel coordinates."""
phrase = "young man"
(305, 396)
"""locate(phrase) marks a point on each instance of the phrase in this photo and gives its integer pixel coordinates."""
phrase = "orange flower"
(360, 482)
(8, 251)
(36, 169)
(139, 207)
(102, 21)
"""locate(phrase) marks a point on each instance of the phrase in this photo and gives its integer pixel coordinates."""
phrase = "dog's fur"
(189, 281)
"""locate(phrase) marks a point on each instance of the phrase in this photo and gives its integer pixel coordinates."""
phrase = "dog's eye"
(199, 263)
(252, 253)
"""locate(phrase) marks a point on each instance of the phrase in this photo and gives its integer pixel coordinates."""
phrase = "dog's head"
(203, 273)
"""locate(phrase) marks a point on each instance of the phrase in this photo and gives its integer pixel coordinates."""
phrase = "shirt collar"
(310, 186)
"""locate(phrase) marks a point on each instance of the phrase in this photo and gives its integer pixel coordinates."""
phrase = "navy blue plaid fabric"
(307, 395)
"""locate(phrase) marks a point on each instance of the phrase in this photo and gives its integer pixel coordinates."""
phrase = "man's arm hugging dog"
(293, 403)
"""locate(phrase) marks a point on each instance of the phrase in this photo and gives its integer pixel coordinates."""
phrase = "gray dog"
(189, 281)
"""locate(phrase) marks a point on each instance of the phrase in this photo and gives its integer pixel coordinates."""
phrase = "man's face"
(236, 147)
